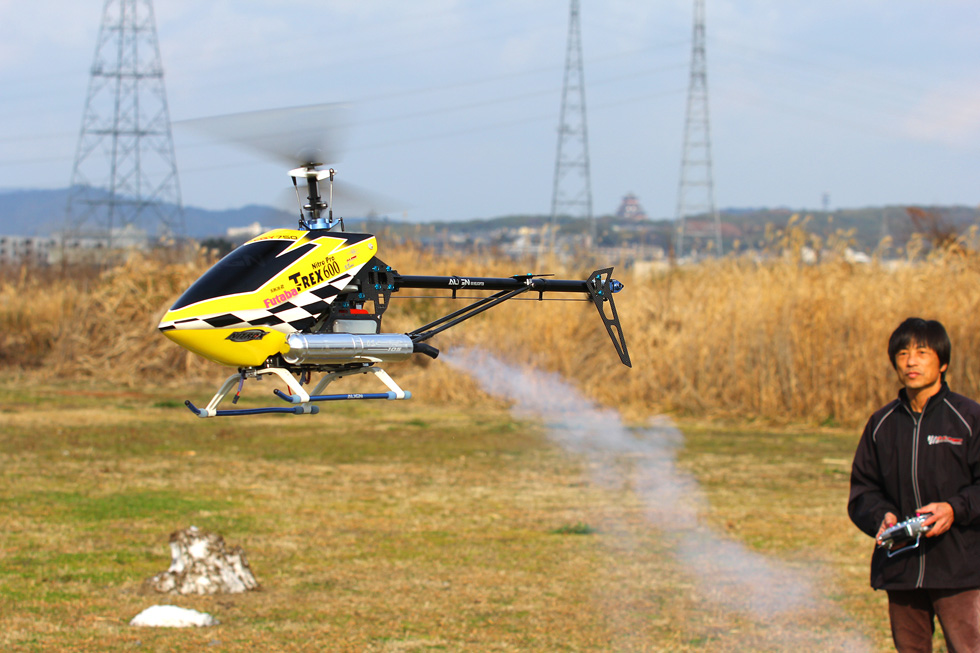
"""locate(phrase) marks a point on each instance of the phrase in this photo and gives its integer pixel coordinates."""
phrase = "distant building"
(15, 250)
(35, 250)
(630, 209)
(241, 234)
(126, 237)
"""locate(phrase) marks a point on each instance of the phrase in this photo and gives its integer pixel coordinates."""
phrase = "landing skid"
(298, 396)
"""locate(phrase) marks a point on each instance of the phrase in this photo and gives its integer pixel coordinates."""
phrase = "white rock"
(170, 616)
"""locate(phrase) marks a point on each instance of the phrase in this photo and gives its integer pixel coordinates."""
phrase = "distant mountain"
(31, 212)
(202, 223)
(36, 212)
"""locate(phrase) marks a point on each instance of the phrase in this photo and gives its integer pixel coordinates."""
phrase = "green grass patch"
(578, 528)
(125, 506)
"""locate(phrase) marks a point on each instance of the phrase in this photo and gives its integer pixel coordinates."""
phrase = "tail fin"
(601, 288)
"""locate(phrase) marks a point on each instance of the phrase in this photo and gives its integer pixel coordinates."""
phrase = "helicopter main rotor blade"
(296, 135)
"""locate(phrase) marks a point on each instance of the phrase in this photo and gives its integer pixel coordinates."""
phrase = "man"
(920, 454)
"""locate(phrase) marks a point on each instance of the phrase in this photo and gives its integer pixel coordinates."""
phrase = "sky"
(455, 104)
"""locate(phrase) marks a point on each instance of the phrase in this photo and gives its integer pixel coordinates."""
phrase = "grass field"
(407, 526)
(445, 522)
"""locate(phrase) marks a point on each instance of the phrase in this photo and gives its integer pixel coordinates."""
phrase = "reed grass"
(771, 337)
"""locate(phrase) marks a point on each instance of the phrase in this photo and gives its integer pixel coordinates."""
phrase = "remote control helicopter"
(291, 303)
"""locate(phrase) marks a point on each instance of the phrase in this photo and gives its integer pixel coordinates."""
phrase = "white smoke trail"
(727, 573)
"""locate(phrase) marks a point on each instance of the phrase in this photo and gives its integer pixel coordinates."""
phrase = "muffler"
(332, 348)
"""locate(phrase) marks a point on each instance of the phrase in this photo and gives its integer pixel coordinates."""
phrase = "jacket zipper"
(915, 487)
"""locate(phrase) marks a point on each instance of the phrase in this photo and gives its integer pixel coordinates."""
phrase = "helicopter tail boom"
(599, 286)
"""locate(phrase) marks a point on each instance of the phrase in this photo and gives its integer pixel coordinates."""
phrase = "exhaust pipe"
(330, 348)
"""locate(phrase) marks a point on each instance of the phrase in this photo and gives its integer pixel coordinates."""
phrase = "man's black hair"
(916, 331)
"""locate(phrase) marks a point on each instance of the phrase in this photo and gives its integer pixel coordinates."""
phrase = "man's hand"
(889, 521)
(941, 519)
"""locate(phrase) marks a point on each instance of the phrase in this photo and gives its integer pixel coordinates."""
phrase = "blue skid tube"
(295, 399)
(295, 410)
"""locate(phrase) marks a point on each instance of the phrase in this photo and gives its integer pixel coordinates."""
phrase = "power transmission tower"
(572, 193)
(696, 195)
(125, 171)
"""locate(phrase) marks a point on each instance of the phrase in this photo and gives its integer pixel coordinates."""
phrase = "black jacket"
(904, 462)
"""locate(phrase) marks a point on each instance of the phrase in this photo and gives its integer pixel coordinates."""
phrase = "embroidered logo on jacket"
(943, 439)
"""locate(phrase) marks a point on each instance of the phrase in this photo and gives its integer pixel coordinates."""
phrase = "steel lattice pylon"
(696, 194)
(572, 193)
(125, 171)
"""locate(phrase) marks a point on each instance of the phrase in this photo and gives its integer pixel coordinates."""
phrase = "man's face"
(918, 367)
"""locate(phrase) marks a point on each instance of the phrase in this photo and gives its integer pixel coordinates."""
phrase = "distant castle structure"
(630, 209)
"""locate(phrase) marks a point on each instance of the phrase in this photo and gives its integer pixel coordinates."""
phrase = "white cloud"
(948, 116)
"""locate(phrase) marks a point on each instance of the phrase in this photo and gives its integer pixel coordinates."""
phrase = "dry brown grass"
(80, 322)
(785, 341)
(776, 339)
